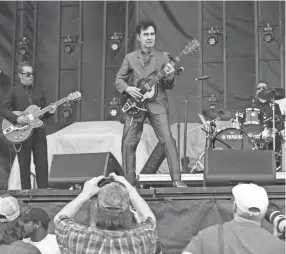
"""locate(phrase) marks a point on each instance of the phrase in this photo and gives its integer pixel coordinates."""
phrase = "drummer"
(264, 105)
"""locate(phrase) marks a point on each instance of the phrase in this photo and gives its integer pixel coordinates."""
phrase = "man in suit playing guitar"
(136, 65)
(18, 98)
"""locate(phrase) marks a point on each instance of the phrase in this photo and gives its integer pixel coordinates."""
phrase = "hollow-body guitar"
(17, 133)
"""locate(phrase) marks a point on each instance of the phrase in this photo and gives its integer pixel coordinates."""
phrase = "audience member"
(244, 233)
(114, 231)
(36, 224)
(11, 234)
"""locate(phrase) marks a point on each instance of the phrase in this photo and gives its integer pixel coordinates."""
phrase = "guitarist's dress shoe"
(179, 184)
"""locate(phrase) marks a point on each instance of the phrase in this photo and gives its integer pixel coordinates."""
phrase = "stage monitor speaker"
(230, 167)
(72, 170)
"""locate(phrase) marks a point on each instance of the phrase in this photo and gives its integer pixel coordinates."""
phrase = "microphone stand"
(178, 123)
(185, 129)
(185, 102)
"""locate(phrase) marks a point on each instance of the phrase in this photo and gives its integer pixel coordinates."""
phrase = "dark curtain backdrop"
(178, 22)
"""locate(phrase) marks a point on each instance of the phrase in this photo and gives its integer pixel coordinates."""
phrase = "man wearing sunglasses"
(18, 98)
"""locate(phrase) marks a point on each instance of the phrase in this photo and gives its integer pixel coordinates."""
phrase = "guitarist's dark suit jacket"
(18, 98)
(136, 66)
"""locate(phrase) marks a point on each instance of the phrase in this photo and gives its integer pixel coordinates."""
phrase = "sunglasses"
(27, 74)
(261, 88)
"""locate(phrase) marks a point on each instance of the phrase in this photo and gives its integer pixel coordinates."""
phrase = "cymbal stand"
(209, 136)
(273, 119)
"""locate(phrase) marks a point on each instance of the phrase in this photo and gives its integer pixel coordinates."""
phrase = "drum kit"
(249, 129)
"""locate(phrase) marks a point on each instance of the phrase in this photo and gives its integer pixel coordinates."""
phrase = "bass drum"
(232, 138)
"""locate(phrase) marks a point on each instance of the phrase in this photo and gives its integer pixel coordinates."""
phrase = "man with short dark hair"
(144, 63)
(11, 233)
(244, 233)
(18, 98)
(113, 231)
(35, 224)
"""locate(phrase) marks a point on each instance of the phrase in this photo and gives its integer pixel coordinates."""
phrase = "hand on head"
(90, 187)
(120, 179)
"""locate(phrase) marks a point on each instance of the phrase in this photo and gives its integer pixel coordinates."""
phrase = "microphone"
(202, 78)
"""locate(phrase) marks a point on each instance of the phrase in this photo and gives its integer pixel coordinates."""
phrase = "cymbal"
(267, 94)
(222, 114)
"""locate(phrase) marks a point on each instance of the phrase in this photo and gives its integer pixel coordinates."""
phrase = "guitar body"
(22, 132)
(138, 106)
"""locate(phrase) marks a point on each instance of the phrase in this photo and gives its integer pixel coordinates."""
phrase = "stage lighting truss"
(24, 46)
(115, 41)
(69, 43)
(268, 33)
(213, 34)
(114, 106)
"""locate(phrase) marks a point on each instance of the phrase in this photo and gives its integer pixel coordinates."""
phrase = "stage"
(180, 212)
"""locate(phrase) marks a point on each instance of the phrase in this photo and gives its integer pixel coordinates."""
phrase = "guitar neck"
(159, 75)
(48, 108)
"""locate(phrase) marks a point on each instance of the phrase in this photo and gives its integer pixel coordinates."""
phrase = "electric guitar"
(149, 87)
(17, 133)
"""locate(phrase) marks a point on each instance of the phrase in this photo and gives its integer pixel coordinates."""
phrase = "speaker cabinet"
(74, 169)
(229, 167)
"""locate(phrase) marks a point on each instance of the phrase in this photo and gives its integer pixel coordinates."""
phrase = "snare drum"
(253, 120)
(232, 138)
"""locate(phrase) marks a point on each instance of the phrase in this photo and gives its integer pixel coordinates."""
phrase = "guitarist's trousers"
(38, 145)
(133, 128)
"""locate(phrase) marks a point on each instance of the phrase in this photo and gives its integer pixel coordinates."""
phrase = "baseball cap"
(9, 207)
(250, 196)
(37, 214)
(113, 197)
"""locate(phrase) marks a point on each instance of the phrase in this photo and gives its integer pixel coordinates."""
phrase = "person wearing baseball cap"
(35, 224)
(244, 233)
(112, 228)
(11, 233)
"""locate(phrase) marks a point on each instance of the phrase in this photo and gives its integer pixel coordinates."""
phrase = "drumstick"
(268, 119)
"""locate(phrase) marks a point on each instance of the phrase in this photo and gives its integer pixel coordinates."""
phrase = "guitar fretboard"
(159, 75)
(48, 108)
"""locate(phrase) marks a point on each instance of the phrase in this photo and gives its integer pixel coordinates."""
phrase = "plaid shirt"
(75, 238)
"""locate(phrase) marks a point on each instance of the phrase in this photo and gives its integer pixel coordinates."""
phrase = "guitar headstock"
(74, 96)
(191, 47)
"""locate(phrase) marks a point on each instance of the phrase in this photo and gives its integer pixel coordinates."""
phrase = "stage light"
(213, 36)
(69, 42)
(114, 107)
(213, 101)
(268, 33)
(115, 41)
(24, 46)
(67, 110)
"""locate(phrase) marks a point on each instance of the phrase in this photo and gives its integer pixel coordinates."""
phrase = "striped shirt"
(76, 238)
